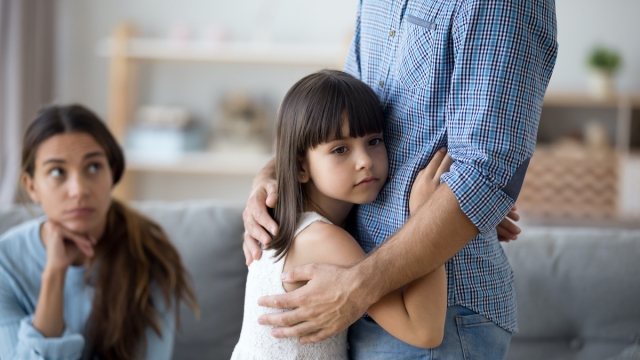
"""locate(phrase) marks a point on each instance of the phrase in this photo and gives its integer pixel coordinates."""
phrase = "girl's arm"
(414, 314)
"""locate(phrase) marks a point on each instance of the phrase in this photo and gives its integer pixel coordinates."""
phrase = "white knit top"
(256, 341)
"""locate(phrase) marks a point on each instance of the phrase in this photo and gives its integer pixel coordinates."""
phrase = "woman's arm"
(63, 249)
(161, 347)
(42, 335)
(48, 318)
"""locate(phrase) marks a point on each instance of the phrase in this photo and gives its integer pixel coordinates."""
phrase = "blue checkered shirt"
(469, 75)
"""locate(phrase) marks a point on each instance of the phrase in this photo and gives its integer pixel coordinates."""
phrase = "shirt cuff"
(483, 202)
(67, 347)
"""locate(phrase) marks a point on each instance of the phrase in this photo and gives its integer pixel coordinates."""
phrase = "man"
(466, 74)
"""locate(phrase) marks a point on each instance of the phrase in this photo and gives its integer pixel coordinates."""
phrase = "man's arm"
(504, 54)
(335, 297)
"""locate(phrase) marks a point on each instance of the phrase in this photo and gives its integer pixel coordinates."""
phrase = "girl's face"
(72, 181)
(351, 170)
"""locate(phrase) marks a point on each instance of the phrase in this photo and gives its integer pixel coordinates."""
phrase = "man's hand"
(334, 298)
(256, 219)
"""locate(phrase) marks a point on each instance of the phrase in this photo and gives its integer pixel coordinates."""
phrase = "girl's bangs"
(339, 99)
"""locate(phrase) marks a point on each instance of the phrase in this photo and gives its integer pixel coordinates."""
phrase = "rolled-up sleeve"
(19, 340)
(504, 55)
(32, 345)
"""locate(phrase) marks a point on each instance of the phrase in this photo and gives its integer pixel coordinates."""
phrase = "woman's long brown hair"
(312, 112)
(136, 273)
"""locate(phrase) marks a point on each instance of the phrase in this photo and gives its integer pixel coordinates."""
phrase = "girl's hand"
(507, 230)
(63, 246)
(428, 179)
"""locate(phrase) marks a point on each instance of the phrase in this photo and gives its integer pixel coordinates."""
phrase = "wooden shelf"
(124, 49)
(236, 53)
(202, 163)
(568, 99)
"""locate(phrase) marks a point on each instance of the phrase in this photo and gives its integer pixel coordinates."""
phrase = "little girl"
(330, 156)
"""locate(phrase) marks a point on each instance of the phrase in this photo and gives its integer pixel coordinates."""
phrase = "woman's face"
(72, 181)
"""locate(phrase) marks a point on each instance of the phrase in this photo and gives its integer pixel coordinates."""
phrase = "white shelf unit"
(237, 53)
(204, 163)
(125, 51)
(625, 106)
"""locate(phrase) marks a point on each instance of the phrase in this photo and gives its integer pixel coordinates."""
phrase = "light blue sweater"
(22, 260)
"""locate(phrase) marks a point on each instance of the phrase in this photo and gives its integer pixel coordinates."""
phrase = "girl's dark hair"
(133, 258)
(313, 112)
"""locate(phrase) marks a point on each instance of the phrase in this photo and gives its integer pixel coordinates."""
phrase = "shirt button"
(392, 33)
(381, 83)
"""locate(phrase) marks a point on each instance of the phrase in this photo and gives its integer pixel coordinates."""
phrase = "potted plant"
(603, 63)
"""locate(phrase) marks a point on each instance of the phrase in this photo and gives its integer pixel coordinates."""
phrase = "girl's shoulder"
(322, 242)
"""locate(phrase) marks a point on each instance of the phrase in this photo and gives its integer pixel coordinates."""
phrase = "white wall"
(83, 77)
(583, 24)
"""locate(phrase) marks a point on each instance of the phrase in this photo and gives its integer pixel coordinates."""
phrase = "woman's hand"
(428, 179)
(64, 247)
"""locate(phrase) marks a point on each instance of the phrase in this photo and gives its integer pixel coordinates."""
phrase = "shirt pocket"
(415, 57)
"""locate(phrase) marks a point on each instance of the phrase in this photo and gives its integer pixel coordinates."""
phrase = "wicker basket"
(571, 183)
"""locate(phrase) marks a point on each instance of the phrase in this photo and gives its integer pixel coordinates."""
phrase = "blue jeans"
(467, 336)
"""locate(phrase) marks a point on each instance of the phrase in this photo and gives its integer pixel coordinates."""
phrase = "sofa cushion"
(208, 235)
(577, 290)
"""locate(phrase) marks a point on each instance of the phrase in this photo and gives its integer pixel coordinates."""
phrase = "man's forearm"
(432, 236)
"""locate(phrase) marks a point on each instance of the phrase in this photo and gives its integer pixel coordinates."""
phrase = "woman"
(92, 278)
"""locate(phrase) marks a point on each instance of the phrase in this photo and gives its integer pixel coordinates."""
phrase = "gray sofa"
(578, 289)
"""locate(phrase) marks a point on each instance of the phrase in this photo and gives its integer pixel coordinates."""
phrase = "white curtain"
(26, 79)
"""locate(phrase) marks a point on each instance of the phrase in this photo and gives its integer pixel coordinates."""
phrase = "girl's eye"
(374, 142)
(56, 172)
(340, 150)
(93, 168)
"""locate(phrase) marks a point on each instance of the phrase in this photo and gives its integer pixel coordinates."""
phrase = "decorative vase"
(601, 84)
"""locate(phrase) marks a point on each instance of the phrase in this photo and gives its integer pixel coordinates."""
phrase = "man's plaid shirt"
(469, 75)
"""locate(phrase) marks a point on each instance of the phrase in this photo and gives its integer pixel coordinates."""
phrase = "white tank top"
(256, 341)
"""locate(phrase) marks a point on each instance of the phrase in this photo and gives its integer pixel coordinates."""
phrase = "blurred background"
(191, 89)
